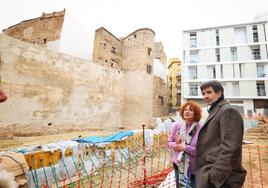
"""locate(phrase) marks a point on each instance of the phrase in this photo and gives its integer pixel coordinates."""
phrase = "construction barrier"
(255, 161)
(130, 162)
(140, 160)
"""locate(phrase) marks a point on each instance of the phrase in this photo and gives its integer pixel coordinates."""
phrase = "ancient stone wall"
(138, 50)
(38, 30)
(159, 52)
(160, 97)
(137, 55)
(50, 91)
(107, 49)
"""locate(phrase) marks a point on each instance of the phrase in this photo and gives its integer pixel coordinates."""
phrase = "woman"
(182, 141)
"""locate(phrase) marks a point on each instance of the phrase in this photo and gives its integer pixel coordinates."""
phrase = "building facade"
(143, 62)
(174, 75)
(123, 87)
(107, 49)
(111, 51)
(236, 55)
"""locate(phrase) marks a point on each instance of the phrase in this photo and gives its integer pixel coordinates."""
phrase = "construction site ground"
(31, 141)
(256, 137)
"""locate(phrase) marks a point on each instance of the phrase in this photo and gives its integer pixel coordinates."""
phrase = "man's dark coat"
(219, 149)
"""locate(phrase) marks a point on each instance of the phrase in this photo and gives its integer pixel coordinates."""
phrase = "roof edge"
(107, 32)
(143, 28)
(223, 26)
(44, 15)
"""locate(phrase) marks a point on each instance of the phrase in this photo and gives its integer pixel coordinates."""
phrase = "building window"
(211, 71)
(193, 72)
(149, 69)
(214, 72)
(241, 70)
(233, 54)
(217, 37)
(236, 89)
(261, 88)
(193, 40)
(255, 51)
(178, 99)
(113, 50)
(233, 71)
(255, 33)
(193, 56)
(161, 100)
(193, 89)
(218, 56)
(104, 45)
(178, 85)
(149, 51)
(113, 62)
(260, 70)
(45, 40)
(178, 75)
(135, 35)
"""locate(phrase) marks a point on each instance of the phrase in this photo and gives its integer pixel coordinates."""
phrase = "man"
(219, 145)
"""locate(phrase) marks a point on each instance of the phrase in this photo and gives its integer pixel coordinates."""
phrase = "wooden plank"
(43, 158)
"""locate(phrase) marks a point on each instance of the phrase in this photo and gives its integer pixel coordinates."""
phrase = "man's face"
(210, 96)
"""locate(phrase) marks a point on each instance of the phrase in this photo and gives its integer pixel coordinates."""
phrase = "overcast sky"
(168, 18)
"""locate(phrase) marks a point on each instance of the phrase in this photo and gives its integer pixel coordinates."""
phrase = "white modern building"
(235, 55)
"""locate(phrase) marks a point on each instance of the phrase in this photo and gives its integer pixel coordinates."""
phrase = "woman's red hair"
(196, 108)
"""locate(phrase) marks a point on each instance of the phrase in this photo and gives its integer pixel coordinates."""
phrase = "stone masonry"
(38, 30)
(51, 92)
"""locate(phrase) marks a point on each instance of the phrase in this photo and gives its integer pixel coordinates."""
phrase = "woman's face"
(188, 114)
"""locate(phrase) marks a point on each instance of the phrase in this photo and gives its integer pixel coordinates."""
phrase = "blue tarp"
(98, 139)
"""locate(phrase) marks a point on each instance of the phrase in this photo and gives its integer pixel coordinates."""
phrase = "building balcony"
(193, 61)
(261, 75)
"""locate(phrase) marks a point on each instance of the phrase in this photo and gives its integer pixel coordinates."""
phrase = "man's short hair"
(216, 86)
